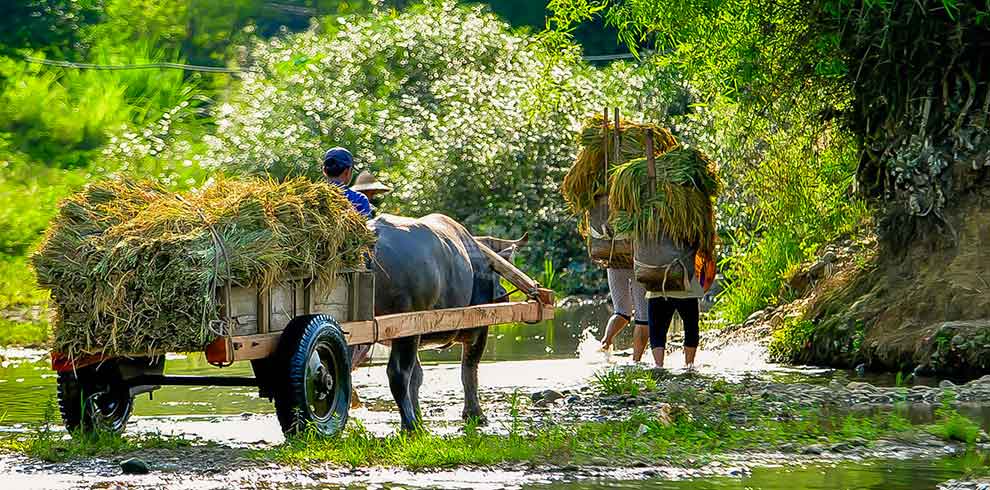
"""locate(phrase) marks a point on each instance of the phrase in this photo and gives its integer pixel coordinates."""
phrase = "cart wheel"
(94, 399)
(316, 392)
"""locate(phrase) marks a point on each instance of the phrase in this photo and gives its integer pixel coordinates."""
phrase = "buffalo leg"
(474, 348)
(401, 364)
(414, 384)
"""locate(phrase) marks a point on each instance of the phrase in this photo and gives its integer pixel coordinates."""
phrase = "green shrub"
(790, 339)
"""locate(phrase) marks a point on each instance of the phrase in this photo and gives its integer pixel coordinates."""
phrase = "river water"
(521, 359)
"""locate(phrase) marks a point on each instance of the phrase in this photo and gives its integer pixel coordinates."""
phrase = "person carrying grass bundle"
(671, 212)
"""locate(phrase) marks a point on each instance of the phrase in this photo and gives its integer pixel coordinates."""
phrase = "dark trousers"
(662, 312)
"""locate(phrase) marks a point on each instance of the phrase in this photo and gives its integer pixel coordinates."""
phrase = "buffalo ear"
(523, 240)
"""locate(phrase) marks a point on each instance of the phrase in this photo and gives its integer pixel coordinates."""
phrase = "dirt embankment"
(918, 303)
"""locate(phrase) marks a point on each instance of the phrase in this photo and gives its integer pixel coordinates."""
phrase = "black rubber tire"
(94, 398)
(314, 392)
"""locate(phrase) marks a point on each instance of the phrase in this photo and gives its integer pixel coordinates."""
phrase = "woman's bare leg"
(615, 325)
(658, 356)
(641, 338)
(689, 353)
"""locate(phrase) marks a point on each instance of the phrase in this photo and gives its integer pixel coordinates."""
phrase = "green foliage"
(755, 274)
(790, 339)
(640, 438)
(845, 61)
(952, 426)
(44, 24)
(21, 333)
(621, 381)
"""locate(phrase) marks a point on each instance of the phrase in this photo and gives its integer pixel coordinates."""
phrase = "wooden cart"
(296, 335)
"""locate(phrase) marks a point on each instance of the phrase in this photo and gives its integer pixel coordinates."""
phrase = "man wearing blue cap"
(338, 165)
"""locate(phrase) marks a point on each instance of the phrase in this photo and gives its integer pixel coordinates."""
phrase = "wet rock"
(814, 449)
(841, 447)
(551, 395)
(857, 442)
(134, 466)
(946, 384)
(860, 370)
(573, 399)
(985, 380)
(860, 386)
(170, 467)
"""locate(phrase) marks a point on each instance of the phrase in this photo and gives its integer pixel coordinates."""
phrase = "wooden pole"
(651, 164)
(618, 137)
(605, 142)
(509, 271)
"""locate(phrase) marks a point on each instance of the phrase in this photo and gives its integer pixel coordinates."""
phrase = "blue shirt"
(358, 200)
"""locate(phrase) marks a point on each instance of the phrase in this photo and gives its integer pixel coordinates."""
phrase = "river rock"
(134, 466)
(946, 384)
(861, 370)
(860, 386)
(551, 396)
(814, 449)
(841, 447)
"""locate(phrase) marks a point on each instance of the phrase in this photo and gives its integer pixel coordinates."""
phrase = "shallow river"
(556, 355)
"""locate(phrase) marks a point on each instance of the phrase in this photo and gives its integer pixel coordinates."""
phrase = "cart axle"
(162, 380)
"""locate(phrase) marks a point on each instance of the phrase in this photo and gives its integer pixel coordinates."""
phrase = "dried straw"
(586, 179)
(133, 268)
(682, 206)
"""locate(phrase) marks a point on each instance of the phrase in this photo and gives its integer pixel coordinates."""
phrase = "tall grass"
(62, 116)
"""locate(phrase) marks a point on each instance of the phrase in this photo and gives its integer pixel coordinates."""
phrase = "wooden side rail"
(246, 347)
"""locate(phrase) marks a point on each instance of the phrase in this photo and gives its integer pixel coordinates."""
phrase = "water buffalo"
(430, 263)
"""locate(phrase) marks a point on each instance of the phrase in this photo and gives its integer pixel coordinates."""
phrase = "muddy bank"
(917, 300)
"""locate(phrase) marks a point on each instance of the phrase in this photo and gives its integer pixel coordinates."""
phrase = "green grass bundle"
(586, 179)
(681, 206)
(133, 268)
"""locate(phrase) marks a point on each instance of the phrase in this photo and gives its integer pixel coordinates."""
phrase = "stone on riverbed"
(134, 466)
(545, 397)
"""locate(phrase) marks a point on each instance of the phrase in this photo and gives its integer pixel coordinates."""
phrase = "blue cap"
(337, 160)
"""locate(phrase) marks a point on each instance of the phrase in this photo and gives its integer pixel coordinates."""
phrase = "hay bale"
(682, 206)
(133, 268)
(586, 180)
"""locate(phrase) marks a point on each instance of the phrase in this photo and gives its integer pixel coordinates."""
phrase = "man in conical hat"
(367, 184)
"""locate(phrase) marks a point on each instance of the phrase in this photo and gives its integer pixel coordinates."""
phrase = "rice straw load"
(682, 206)
(586, 179)
(133, 268)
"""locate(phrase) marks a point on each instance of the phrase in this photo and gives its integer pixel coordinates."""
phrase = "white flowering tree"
(443, 102)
